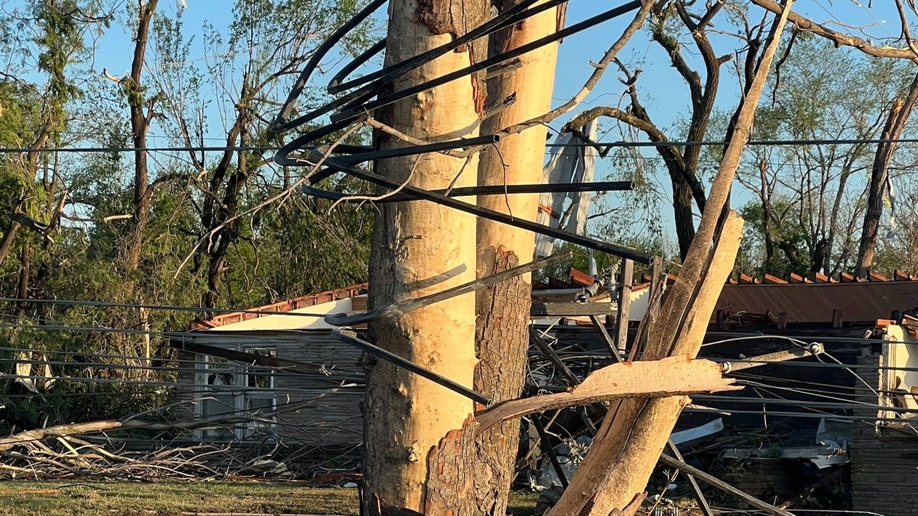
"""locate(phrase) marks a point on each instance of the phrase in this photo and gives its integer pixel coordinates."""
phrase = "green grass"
(178, 498)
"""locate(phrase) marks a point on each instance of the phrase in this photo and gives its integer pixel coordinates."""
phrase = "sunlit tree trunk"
(420, 248)
(899, 114)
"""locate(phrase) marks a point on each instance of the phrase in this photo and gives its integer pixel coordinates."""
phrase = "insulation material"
(572, 160)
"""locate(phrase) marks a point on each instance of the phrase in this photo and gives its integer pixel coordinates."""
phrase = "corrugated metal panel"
(815, 302)
(281, 307)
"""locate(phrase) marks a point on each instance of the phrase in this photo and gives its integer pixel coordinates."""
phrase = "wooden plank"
(580, 278)
(606, 338)
(571, 309)
(874, 276)
(773, 280)
(624, 304)
(671, 376)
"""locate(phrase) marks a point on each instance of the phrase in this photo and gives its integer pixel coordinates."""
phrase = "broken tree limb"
(723, 486)
(30, 436)
(635, 427)
(733, 366)
(668, 377)
(633, 435)
(836, 37)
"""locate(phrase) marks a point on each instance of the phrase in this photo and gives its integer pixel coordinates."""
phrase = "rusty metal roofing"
(793, 303)
(283, 306)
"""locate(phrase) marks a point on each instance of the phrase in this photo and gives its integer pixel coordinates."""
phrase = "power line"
(611, 144)
(89, 150)
(176, 308)
(750, 143)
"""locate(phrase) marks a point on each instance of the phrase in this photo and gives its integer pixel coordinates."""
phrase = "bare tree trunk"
(140, 126)
(684, 218)
(503, 311)
(767, 226)
(420, 248)
(899, 114)
(8, 238)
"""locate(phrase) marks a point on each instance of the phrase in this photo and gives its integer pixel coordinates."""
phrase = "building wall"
(320, 401)
(884, 461)
(330, 414)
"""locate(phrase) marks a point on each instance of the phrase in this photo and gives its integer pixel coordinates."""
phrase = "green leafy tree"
(811, 195)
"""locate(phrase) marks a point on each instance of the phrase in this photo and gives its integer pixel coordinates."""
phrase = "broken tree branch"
(668, 377)
(720, 484)
(633, 435)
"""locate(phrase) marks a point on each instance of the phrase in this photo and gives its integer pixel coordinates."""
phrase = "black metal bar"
(299, 143)
(410, 305)
(548, 450)
(591, 186)
(335, 84)
(282, 157)
(523, 49)
(610, 342)
(598, 186)
(536, 340)
(386, 75)
(696, 489)
(510, 220)
(280, 124)
(349, 337)
(509, 17)
(459, 143)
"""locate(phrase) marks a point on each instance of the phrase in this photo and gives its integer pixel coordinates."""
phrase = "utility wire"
(800, 340)
(176, 308)
(611, 144)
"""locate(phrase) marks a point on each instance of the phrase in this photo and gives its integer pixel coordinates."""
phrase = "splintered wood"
(671, 376)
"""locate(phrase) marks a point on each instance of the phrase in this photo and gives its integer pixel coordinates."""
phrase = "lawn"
(184, 498)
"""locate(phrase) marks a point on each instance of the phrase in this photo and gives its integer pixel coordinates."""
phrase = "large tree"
(502, 312)
(419, 248)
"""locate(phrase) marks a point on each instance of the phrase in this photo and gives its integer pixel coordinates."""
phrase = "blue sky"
(668, 96)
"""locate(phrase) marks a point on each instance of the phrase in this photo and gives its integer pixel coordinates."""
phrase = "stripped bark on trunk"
(420, 248)
(502, 336)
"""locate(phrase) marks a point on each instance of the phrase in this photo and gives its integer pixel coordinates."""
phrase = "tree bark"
(899, 114)
(502, 336)
(420, 248)
(683, 216)
(8, 238)
(140, 126)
